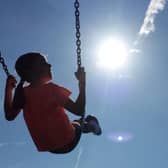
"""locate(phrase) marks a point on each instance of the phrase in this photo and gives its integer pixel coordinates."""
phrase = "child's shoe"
(94, 122)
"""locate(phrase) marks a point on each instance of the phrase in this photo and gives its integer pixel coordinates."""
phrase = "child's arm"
(78, 107)
(10, 108)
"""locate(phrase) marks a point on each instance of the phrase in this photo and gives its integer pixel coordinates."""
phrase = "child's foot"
(94, 123)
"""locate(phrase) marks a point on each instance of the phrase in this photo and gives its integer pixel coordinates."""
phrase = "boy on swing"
(43, 104)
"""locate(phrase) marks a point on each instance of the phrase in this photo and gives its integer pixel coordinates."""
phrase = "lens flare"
(120, 137)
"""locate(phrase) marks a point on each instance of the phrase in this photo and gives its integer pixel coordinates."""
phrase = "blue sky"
(131, 103)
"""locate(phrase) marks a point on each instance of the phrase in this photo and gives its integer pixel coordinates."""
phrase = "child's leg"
(69, 147)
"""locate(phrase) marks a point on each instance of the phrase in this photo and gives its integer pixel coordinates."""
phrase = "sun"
(112, 54)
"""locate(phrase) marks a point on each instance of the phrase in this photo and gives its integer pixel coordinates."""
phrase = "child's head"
(33, 66)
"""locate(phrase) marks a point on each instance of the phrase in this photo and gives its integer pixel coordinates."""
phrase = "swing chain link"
(78, 45)
(78, 34)
(4, 66)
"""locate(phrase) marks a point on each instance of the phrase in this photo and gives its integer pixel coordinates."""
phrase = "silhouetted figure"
(43, 103)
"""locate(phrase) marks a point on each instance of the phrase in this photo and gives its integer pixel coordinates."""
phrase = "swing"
(78, 53)
(4, 66)
(78, 42)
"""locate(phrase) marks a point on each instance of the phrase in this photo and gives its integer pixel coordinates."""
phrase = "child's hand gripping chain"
(81, 76)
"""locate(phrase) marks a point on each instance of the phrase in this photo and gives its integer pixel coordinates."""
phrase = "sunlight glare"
(112, 54)
(120, 138)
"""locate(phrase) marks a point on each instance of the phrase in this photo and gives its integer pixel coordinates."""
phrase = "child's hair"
(26, 65)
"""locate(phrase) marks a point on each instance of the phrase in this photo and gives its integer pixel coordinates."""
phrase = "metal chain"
(4, 66)
(78, 34)
(78, 45)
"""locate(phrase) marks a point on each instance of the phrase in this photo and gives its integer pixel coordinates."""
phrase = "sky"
(130, 103)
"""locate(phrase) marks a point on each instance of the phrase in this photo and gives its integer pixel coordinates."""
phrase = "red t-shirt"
(45, 117)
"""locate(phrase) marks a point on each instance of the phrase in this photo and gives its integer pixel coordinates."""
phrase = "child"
(43, 104)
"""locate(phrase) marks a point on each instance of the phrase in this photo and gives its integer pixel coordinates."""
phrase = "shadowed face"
(42, 69)
(32, 67)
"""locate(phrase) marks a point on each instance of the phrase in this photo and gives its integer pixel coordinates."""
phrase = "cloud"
(148, 26)
(3, 144)
(153, 9)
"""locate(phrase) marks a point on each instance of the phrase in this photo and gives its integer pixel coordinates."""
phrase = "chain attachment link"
(78, 34)
(4, 66)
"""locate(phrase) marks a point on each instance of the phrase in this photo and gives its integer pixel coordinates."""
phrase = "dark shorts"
(69, 147)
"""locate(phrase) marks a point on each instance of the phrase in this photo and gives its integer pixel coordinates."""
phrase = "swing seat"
(70, 147)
